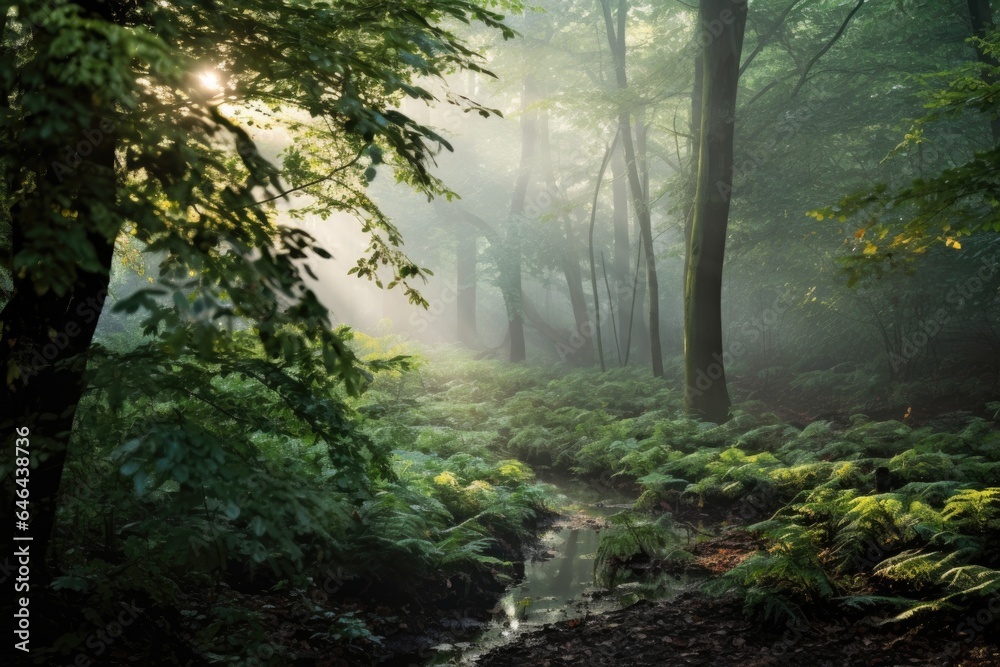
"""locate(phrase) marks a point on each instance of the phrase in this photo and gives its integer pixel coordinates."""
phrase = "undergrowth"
(244, 476)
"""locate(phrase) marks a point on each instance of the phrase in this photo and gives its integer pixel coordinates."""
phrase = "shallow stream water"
(559, 585)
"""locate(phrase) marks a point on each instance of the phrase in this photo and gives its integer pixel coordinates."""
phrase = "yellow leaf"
(952, 243)
(870, 248)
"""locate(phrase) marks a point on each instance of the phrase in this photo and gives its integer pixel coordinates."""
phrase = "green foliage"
(205, 473)
(776, 584)
(630, 536)
(901, 223)
(926, 546)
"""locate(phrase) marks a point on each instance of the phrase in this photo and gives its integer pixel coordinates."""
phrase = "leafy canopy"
(901, 223)
(186, 179)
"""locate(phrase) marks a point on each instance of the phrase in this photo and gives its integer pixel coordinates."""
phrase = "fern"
(630, 536)
(977, 509)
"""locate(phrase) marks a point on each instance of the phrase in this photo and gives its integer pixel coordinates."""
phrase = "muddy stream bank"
(559, 583)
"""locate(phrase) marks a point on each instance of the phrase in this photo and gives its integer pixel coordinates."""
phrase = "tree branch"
(766, 39)
(829, 45)
(319, 180)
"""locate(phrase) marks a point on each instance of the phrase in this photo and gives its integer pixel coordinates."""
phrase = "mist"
(490, 334)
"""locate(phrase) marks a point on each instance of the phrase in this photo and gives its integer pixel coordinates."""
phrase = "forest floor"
(696, 629)
(690, 629)
(619, 436)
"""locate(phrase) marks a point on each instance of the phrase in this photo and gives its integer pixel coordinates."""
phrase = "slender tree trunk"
(641, 135)
(590, 242)
(574, 281)
(616, 39)
(982, 23)
(705, 393)
(466, 252)
(649, 255)
(622, 253)
(570, 259)
(640, 332)
(512, 259)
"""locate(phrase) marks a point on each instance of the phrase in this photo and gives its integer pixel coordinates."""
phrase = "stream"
(558, 583)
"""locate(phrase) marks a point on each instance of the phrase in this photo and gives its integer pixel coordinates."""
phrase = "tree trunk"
(616, 39)
(574, 281)
(641, 133)
(593, 266)
(982, 24)
(45, 334)
(466, 252)
(583, 351)
(705, 391)
(640, 204)
(693, 147)
(511, 278)
(622, 261)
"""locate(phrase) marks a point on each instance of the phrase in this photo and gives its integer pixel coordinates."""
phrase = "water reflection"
(551, 587)
(561, 586)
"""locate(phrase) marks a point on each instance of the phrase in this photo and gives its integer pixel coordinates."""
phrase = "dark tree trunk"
(45, 396)
(46, 334)
(466, 252)
(705, 390)
(982, 24)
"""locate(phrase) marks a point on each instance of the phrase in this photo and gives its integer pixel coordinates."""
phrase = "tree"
(705, 391)
(981, 15)
(902, 223)
(114, 124)
(466, 252)
(640, 200)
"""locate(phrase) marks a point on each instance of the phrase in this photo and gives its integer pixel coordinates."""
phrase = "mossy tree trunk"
(705, 392)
